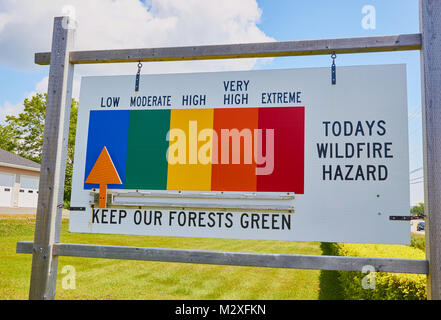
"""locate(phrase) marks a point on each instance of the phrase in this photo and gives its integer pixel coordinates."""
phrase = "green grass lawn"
(122, 279)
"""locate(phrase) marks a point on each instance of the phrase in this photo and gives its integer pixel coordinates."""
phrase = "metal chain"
(333, 69)
(138, 76)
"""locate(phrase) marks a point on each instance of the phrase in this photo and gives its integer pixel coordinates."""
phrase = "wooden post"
(53, 165)
(265, 260)
(401, 42)
(430, 26)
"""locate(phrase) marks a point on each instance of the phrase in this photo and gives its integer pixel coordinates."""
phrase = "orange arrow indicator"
(103, 173)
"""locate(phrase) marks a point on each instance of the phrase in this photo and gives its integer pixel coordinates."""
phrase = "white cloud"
(4, 19)
(9, 109)
(26, 27)
(42, 85)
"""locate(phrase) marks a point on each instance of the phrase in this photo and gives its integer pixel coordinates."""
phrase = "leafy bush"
(418, 241)
(388, 286)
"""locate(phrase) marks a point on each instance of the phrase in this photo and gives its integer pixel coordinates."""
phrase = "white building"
(19, 178)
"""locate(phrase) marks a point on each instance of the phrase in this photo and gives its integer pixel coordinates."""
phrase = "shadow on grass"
(330, 286)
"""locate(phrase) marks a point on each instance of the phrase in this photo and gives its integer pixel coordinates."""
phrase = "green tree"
(7, 138)
(418, 210)
(28, 128)
(24, 135)
(70, 152)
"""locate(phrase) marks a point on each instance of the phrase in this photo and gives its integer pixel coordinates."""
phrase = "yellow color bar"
(185, 170)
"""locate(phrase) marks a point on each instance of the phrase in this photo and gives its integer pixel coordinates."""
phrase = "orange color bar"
(235, 132)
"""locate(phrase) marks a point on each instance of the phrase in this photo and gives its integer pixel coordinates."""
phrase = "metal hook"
(138, 76)
(333, 69)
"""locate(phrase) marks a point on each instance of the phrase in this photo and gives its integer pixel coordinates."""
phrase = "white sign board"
(271, 155)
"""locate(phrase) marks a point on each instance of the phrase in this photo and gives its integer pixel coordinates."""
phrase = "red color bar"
(289, 149)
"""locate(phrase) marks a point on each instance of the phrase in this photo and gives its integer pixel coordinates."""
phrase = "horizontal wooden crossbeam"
(401, 42)
(294, 261)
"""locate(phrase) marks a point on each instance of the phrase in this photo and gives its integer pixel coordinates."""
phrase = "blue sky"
(281, 20)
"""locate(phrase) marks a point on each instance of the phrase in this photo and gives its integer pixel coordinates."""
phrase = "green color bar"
(146, 166)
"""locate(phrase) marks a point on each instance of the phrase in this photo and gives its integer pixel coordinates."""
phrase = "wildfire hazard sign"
(271, 155)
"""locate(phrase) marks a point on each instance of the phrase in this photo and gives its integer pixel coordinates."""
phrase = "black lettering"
(387, 148)
(192, 218)
(229, 222)
(348, 128)
(338, 156)
(359, 129)
(370, 126)
(113, 216)
(254, 220)
(244, 223)
(148, 221)
(279, 97)
(336, 128)
(182, 221)
(327, 172)
(201, 219)
(349, 167)
(349, 150)
(121, 216)
(220, 215)
(104, 216)
(359, 173)
(322, 149)
(171, 216)
(286, 221)
(265, 221)
(326, 123)
(360, 148)
(95, 215)
(382, 130)
(212, 222)
(137, 217)
(376, 149)
(382, 172)
(158, 217)
(275, 222)
(338, 173)
(370, 172)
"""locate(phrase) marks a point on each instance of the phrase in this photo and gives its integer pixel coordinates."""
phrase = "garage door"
(28, 194)
(6, 184)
